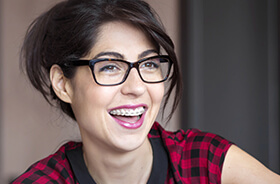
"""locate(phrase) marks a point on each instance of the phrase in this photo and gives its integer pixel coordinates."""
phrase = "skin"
(241, 168)
(114, 154)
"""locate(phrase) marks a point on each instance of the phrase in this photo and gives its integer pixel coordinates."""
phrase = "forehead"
(121, 37)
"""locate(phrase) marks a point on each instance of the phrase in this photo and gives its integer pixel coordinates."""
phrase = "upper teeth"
(128, 112)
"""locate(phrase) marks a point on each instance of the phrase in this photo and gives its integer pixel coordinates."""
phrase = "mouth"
(128, 117)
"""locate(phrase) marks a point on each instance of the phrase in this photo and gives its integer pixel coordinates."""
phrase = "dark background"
(230, 61)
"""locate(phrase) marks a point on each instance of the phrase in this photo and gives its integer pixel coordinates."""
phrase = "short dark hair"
(69, 31)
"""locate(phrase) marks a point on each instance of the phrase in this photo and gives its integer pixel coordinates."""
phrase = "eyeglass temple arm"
(77, 63)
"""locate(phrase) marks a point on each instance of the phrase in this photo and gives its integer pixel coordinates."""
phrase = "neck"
(107, 166)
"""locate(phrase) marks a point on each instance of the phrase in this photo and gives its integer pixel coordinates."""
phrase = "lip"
(128, 107)
(128, 125)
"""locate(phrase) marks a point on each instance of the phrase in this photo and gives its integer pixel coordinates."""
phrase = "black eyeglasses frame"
(91, 63)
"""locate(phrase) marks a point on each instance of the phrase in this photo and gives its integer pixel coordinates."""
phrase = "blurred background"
(228, 52)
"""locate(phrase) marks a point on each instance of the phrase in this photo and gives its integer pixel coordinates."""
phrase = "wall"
(30, 128)
(232, 61)
(1, 96)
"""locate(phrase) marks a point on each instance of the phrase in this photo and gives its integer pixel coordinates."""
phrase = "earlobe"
(60, 84)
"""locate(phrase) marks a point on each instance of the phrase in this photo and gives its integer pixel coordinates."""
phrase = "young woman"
(104, 62)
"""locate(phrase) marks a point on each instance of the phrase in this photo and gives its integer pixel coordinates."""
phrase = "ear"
(60, 84)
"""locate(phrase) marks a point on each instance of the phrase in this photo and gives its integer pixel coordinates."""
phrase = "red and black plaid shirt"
(193, 157)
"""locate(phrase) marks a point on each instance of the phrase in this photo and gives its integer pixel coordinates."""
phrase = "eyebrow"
(113, 54)
(147, 52)
(120, 56)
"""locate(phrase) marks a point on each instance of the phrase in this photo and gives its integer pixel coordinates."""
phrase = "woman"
(104, 64)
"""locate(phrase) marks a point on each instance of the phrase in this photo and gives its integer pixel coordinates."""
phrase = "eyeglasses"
(110, 72)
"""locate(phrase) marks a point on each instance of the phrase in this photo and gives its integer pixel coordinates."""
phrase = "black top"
(159, 168)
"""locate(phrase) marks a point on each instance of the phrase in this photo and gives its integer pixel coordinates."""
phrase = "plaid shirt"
(194, 157)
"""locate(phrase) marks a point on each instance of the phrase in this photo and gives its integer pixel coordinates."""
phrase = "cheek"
(93, 98)
(91, 108)
(157, 92)
(101, 97)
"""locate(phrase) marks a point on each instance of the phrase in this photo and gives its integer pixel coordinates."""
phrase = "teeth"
(128, 112)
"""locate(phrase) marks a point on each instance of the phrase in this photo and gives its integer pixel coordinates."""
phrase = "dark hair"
(69, 30)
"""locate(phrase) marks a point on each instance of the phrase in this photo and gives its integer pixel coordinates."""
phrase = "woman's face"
(93, 104)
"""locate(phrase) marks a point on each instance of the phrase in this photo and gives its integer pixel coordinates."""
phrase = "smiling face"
(116, 117)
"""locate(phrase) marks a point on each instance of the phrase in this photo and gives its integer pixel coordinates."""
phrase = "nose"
(133, 85)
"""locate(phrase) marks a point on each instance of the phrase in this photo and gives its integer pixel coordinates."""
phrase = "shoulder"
(54, 168)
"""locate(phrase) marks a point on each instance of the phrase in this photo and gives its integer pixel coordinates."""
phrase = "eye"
(109, 68)
(150, 64)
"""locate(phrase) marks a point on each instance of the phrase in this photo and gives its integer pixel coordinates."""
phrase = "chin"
(130, 143)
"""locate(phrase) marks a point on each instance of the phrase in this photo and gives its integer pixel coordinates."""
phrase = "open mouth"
(127, 114)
